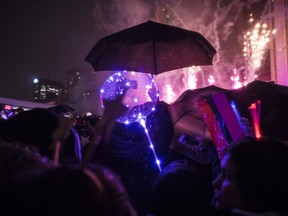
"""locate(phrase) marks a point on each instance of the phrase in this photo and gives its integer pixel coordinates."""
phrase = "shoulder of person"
(239, 212)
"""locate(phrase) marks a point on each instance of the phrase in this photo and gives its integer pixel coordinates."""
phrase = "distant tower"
(278, 14)
(71, 80)
(46, 91)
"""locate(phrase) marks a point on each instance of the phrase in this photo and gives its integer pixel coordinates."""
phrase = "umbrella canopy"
(274, 106)
(151, 47)
(186, 116)
(189, 123)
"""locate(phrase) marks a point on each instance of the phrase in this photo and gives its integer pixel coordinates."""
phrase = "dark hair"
(262, 173)
(33, 127)
(67, 191)
(18, 162)
(181, 187)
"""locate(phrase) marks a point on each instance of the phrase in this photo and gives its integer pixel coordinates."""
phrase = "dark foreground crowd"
(52, 165)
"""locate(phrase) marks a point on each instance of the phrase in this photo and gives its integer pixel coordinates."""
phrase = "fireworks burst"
(255, 47)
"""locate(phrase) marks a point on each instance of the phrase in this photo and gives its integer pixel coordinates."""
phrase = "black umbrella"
(188, 119)
(151, 47)
(189, 123)
(274, 106)
(185, 113)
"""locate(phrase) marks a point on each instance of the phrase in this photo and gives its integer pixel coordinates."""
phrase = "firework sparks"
(211, 80)
(191, 76)
(235, 80)
(255, 46)
(169, 94)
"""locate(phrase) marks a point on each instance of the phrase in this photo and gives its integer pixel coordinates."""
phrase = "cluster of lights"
(140, 93)
(140, 98)
(9, 111)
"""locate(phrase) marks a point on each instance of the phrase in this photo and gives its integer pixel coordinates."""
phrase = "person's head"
(117, 199)
(254, 176)
(67, 191)
(33, 127)
(180, 187)
(18, 161)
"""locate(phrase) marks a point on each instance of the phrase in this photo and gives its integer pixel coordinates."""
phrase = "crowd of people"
(94, 165)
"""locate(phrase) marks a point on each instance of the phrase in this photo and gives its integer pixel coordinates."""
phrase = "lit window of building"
(46, 90)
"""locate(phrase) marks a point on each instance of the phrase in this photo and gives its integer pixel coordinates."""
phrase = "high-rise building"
(71, 80)
(46, 91)
(278, 21)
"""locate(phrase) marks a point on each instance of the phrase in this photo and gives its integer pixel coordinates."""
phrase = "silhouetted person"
(67, 191)
(254, 176)
(19, 162)
(182, 189)
(35, 128)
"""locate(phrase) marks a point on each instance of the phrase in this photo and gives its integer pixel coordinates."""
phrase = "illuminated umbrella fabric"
(187, 120)
(151, 47)
(185, 114)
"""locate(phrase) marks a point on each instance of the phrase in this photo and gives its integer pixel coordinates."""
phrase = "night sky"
(43, 39)
(46, 38)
